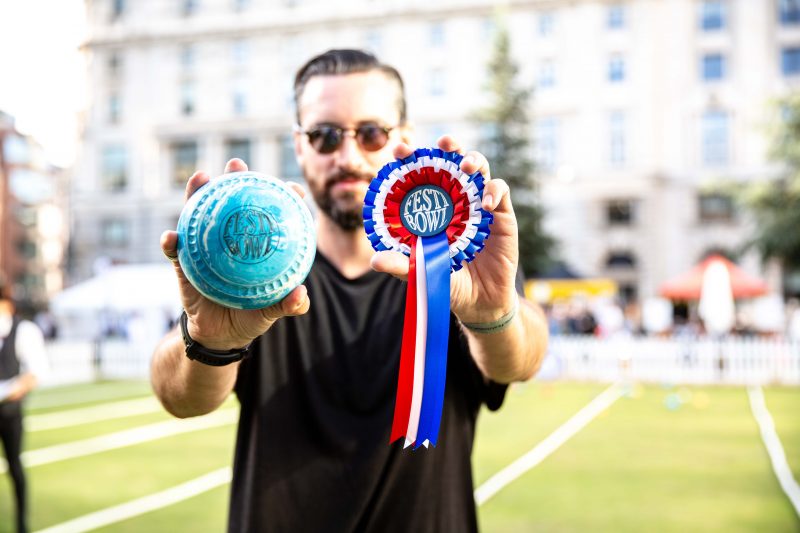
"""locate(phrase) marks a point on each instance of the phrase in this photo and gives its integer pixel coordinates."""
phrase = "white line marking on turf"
(121, 439)
(774, 448)
(146, 504)
(95, 413)
(97, 392)
(550, 444)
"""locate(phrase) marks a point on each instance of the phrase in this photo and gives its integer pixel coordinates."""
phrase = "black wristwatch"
(197, 352)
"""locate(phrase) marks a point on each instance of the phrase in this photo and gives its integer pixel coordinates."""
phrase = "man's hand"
(212, 325)
(482, 291)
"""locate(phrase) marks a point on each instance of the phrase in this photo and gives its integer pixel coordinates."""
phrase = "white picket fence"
(744, 361)
(83, 361)
(735, 360)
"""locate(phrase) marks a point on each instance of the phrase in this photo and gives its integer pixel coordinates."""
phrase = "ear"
(298, 146)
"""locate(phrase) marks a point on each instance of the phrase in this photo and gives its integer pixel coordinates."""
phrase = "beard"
(346, 210)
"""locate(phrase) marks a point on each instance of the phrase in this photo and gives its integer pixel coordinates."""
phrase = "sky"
(42, 71)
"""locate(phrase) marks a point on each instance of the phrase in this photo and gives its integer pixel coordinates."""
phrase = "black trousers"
(11, 435)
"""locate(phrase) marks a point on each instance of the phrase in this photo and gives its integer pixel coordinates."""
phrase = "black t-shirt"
(317, 396)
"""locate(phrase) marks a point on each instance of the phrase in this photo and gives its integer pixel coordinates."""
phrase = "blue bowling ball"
(245, 240)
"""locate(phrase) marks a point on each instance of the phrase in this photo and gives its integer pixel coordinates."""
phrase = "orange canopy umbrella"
(688, 286)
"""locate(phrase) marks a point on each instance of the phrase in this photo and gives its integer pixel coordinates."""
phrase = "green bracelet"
(493, 327)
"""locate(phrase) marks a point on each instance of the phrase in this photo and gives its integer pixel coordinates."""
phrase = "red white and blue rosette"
(425, 207)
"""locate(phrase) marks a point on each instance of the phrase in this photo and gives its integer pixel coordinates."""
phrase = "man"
(22, 358)
(317, 389)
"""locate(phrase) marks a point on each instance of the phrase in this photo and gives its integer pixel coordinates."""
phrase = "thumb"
(295, 303)
(391, 262)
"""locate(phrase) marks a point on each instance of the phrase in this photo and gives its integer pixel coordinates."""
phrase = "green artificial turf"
(659, 459)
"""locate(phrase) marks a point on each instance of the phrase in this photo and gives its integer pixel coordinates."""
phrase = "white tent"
(145, 296)
(123, 288)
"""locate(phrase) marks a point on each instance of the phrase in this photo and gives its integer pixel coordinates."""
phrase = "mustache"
(345, 175)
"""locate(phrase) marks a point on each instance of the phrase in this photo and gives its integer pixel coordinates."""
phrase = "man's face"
(338, 181)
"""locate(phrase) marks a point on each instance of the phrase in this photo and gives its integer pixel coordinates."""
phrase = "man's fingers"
(295, 303)
(390, 262)
(402, 150)
(235, 165)
(475, 162)
(197, 180)
(448, 144)
(496, 196)
(169, 245)
(296, 187)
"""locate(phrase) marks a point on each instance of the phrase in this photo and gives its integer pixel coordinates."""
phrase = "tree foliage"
(775, 204)
(505, 141)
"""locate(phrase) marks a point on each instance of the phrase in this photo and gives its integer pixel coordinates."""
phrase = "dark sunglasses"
(327, 138)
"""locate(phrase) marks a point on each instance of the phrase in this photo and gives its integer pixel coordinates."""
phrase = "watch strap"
(197, 352)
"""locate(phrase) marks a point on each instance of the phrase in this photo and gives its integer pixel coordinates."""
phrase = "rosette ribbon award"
(426, 208)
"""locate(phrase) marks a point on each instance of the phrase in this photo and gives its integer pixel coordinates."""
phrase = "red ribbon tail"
(405, 379)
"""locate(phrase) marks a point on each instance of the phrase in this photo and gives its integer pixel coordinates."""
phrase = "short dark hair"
(337, 62)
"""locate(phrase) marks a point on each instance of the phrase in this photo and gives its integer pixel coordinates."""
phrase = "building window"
(616, 69)
(789, 12)
(712, 15)
(16, 150)
(713, 67)
(114, 107)
(190, 7)
(716, 207)
(373, 42)
(616, 17)
(620, 260)
(488, 29)
(115, 232)
(546, 143)
(436, 34)
(240, 52)
(547, 22)
(289, 168)
(790, 61)
(620, 212)
(239, 99)
(26, 248)
(184, 161)
(616, 136)
(436, 82)
(238, 148)
(546, 77)
(114, 169)
(715, 138)
(187, 98)
(117, 9)
(187, 57)
(114, 65)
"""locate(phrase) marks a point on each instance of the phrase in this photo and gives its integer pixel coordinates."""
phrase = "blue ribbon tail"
(436, 251)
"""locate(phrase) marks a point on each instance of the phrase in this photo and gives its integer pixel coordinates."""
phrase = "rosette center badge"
(426, 208)
(426, 211)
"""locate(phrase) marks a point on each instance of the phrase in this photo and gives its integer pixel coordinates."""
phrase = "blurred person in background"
(317, 391)
(22, 363)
